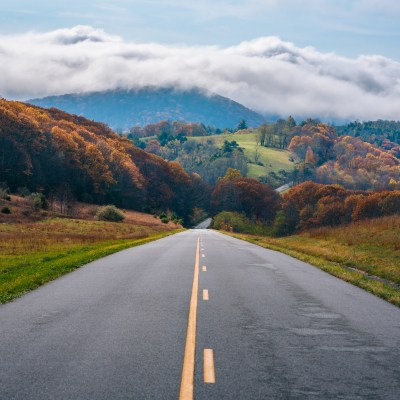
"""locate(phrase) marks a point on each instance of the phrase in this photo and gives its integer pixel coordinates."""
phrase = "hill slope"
(60, 154)
(127, 108)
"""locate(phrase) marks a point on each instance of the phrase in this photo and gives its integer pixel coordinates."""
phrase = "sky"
(325, 58)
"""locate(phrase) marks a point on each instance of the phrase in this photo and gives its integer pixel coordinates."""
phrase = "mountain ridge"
(123, 108)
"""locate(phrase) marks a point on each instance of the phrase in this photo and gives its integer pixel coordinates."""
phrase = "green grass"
(273, 159)
(371, 247)
(35, 253)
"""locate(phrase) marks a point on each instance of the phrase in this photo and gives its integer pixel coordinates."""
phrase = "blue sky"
(346, 27)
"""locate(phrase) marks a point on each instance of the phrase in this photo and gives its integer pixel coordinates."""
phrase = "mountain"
(126, 108)
(63, 155)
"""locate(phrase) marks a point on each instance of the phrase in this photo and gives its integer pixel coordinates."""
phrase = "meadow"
(272, 159)
(365, 253)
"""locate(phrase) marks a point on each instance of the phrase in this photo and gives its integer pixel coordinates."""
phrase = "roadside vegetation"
(364, 253)
(40, 247)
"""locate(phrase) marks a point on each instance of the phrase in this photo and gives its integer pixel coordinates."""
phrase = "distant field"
(34, 253)
(372, 247)
(273, 159)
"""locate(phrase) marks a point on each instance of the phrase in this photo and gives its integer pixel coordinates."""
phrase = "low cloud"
(266, 74)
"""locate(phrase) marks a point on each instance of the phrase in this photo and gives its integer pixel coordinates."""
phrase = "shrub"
(237, 222)
(6, 210)
(390, 204)
(38, 201)
(164, 220)
(281, 226)
(110, 213)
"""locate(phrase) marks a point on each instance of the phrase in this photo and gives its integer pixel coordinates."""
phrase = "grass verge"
(365, 254)
(27, 264)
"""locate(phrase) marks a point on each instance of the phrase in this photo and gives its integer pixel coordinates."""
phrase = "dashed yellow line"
(205, 294)
(187, 381)
(209, 371)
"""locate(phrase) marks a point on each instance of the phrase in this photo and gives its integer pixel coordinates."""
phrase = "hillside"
(262, 160)
(122, 109)
(71, 158)
(383, 134)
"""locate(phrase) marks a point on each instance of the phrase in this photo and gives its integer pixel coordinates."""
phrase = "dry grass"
(372, 246)
(61, 233)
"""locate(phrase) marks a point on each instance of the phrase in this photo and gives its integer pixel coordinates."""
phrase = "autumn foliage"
(52, 152)
(311, 205)
(256, 200)
(328, 158)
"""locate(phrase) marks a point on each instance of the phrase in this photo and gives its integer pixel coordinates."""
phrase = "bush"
(164, 220)
(38, 201)
(237, 222)
(281, 226)
(110, 213)
(6, 210)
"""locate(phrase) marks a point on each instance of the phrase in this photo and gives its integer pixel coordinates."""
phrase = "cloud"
(266, 74)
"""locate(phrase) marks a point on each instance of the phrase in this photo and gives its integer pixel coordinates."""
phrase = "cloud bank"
(265, 74)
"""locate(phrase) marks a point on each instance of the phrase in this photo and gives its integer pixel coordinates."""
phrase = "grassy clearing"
(371, 247)
(34, 253)
(273, 159)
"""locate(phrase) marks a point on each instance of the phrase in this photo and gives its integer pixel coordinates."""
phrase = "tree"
(310, 158)
(242, 125)
(245, 195)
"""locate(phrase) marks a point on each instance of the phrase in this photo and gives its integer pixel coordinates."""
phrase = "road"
(273, 327)
(204, 225)
(282, 188)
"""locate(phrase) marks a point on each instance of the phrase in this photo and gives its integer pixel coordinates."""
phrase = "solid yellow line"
(187, 382)
(204, 268)
(209, 371)
(205, 294)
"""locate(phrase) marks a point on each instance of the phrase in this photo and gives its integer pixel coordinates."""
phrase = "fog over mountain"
(266, 74)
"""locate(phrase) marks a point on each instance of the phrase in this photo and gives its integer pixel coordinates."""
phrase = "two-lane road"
(272, 327)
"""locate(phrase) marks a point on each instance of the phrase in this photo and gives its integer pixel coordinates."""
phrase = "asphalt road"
(204, 225)
(278, 328)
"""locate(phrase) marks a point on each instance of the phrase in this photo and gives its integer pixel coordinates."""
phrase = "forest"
(156, 169)
(352, 156)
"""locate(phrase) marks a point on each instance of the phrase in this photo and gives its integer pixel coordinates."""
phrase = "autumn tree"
(249, 196)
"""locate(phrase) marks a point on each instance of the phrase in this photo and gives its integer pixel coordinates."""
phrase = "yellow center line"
(187, 382)
(209, 371)
(205, 294)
